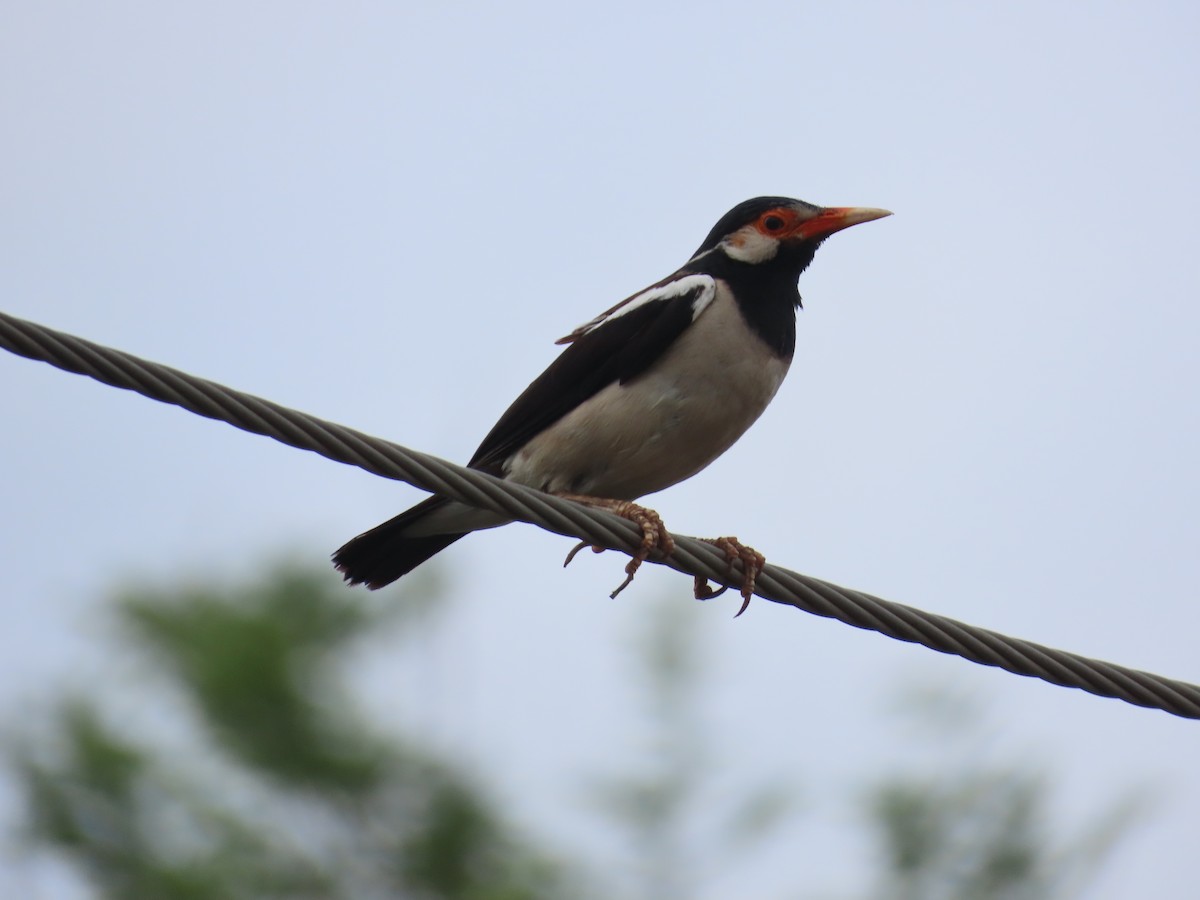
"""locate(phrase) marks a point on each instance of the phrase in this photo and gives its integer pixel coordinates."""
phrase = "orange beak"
(835, 218)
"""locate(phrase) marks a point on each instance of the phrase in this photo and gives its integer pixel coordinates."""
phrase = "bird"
(644, 395)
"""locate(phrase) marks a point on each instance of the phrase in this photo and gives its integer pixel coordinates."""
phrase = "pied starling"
(645, 395)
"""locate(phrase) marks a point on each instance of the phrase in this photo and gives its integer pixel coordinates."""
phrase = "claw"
(630, 571)
(734, 550)
(575, 550)
(654, 533)
(702, 591)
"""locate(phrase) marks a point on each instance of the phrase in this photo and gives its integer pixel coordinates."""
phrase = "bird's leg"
(654, 533)
(752, 564)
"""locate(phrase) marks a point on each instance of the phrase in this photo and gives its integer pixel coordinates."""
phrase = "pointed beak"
(835, 218)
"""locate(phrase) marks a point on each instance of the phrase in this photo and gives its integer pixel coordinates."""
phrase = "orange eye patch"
(776, 222)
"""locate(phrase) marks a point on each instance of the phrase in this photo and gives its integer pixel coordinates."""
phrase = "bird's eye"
(773, 223)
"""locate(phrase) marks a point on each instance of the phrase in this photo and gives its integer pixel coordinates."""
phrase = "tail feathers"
(378, 557)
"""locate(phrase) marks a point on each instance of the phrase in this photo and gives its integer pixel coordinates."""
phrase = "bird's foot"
(734, 550)
(654, 533)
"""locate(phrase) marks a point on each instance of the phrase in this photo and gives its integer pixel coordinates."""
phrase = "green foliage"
(289, 793)
(973, 831)
(978, 836)
(282, 789)
(658, 804)
(254, 662)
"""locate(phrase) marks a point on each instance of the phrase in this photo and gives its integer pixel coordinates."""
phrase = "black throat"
(766, 293)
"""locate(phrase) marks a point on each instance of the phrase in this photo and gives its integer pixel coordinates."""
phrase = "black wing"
(616, 346)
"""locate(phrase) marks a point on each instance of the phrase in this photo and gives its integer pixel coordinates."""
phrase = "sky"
(385, 214)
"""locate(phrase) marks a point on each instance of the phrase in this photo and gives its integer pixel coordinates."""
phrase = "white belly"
(668, 424)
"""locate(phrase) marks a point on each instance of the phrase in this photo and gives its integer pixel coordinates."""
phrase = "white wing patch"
(703, 286)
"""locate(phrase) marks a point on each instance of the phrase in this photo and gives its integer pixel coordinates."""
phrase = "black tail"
(380, 556)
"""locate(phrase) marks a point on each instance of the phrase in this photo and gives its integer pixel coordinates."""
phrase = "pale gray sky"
(386, 215)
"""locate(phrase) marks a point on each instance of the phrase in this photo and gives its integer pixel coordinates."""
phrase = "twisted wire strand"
(597, 527)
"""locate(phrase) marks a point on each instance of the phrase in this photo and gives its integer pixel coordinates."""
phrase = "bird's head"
(779, 230)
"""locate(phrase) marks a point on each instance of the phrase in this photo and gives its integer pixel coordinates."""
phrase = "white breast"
(667, 424)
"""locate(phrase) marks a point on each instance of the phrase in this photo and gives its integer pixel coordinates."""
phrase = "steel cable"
(599, 528)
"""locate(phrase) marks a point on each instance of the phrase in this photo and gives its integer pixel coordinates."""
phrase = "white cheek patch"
(702, 286)
(749, 245)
